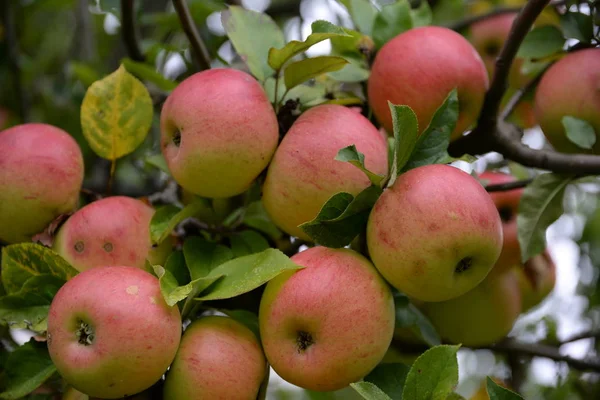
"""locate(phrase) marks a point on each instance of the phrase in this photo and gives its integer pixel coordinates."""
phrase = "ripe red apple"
(218, 132)
(537, 279)
(219, 358)
(507, 202)
(329, 324)
(570, 87)
(41, 172)
(304, 173)
(435, 233)
(110, 332)
(110, 231)
(480, 317)
(419, 68)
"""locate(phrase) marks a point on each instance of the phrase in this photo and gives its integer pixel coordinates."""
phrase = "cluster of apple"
(435, 234)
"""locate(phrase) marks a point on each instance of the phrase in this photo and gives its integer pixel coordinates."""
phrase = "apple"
(419, 68)
(110, 332)
(219, 358)
(329, 324)
(304, 173)
(537, 279)
(507, 202)
(110, 231)
(570, 87)
(41, 172)
(218, 132)
(482, 394)
(480, 317)
(435, 233)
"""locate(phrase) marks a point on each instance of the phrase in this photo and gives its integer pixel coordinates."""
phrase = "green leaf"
(20, 262)
(354, 71)
(321, 30)
(369, 391)
(409, 316)
(342, 218)
(432, 145)
(577, 26)
(362, 13)
(247, 318)
(392, 20)
(434, 375)
(389, 378)
(173, 292)
(257, 218)
(351, 155)
(26, 369)
(579, 132)
(175, 264)
(497, 392)
(166, 218)
(455, 396)
(116, 114)
(248, 242)
(28, 308)
(158, 161)
(541, 204)
(202, 256)
(406, 132)
(148, 73)
(252, 35)
(303, 70)
(542, 42)
(422, 15)
(85, 73)
(244, 274)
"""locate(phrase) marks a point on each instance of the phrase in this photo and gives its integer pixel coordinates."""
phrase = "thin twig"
(129, 32)
(514, 101)
(466, 22)
(591, 334)
(13, 59)
(501, 187)
(199, 50)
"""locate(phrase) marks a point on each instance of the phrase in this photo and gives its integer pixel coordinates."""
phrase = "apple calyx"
(464, 264)
(79, 246)
(304, 340)
(176, 138)
(85, 334)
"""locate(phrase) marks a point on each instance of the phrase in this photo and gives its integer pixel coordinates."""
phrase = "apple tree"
(300, 199)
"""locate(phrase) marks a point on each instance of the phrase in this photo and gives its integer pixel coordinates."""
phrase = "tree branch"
(129, 32)
(199, 50)
(508, 185)
(591, 334)
(466, 22)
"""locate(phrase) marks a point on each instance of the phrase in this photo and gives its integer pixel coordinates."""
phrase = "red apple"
(219, 131)
(329, 324)
(111, 231)
(304, 173)
(570, 87)
(419, 68)
(41, 172)
(537, 279)
(435, 233)
(110, 332)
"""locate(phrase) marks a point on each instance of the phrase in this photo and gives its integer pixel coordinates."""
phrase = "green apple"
(110, 332)
(570, 87)
(304, 173)
(110, 231)
(218, 132)
(419, 68)
(482, 316)
(329, 324)
(435, 233)
(219, 358)
(41, 172)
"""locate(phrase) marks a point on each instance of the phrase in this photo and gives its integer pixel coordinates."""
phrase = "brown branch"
(199, 50)
(591, 334)
(508, 185)
(129, 32)
(514, 101)
(466, 22)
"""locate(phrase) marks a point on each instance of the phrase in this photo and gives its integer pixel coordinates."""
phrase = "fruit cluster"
(435, 234)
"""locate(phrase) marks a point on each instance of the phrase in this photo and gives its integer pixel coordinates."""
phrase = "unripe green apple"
(218, 132)
(304, 173)
(570, 87)
(215, 212)
(41, 172)
(329, 324)
(536, 279)
(219, 358)
(482, 316)
(435, 233)
(110, 332)
(110, 231)
(507, 202)
(419, 68)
